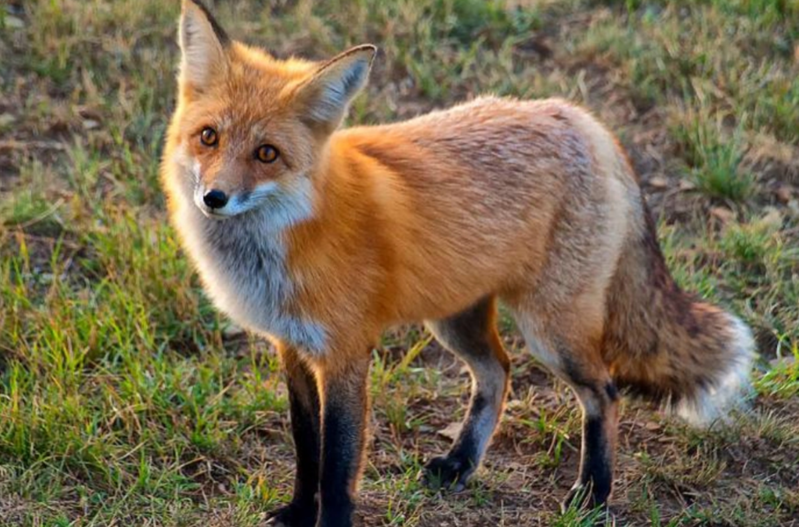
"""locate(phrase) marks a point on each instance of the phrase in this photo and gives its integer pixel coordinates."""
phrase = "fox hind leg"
(575, 356)
(472, 335)
(599, 401)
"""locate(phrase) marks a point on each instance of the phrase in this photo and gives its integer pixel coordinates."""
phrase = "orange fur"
(532, 202)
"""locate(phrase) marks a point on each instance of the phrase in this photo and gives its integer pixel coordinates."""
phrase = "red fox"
(319, 238)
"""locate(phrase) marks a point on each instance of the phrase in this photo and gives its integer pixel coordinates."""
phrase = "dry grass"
(124, 398)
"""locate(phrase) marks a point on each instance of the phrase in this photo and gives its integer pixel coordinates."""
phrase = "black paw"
(293, 515)
(584, 497)
(449, 472)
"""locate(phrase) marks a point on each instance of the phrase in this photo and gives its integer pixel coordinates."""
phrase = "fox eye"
(208, 136)
(266, 154)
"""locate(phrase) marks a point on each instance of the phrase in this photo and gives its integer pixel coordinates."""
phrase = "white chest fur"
(243, 267)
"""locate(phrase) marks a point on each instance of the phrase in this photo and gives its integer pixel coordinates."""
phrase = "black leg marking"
(472, 336)
(453, 470)
(343, 431)
(596, 469)
(595, 481)
(304, 407)
(340, 456)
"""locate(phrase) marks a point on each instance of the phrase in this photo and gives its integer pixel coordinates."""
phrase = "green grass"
(714, 160)
(126, 399)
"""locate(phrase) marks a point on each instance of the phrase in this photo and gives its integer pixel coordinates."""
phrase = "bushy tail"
(662, 343)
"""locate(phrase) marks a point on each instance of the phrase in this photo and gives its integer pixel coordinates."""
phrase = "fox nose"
(215, 199)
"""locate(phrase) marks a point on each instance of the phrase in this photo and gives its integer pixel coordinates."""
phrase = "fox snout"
(217, 201)
(221, 190)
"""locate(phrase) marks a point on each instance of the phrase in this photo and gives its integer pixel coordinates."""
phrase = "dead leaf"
(784, 194)
(773, 218)
(724, 215)
(514, 404)
(452, 431)
(658, 182)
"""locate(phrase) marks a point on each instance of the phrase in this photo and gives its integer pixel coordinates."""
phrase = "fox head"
(250, 128)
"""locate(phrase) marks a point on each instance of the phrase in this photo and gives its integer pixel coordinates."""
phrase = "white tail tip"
(732, 388)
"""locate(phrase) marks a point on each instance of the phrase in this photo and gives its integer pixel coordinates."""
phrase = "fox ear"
(326, 95)
(202, 43)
